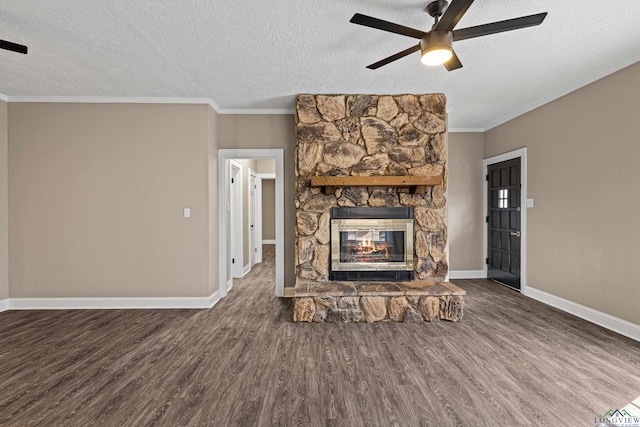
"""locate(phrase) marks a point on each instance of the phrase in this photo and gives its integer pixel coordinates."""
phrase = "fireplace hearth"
(372, 244)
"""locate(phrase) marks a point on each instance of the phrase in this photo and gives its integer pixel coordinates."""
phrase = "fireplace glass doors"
(378, 247)
(364, 242)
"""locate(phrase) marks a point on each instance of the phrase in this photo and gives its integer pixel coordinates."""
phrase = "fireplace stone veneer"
(370, 135)
(364, 137)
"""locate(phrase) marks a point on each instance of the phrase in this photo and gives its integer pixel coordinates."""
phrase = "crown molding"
(112, 100)
(213, 104)
(562, 92)
(466, 130)
(165, 100)
(141, 100)
(255, 111)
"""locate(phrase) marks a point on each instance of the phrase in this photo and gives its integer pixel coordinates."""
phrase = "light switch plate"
(529, 203)
(187, 212)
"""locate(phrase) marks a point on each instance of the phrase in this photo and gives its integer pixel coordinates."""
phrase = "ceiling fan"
(436, 44)
(14, 47)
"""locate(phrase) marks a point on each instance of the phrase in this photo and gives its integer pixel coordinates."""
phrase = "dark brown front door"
(503, 222)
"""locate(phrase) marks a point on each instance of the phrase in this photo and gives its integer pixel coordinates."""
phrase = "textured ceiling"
(255, 56)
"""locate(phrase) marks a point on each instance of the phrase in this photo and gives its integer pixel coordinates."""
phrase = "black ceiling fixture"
(436, 44)
(14, 47)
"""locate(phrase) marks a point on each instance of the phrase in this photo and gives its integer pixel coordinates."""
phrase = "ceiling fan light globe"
(436, 48)
(436, 56)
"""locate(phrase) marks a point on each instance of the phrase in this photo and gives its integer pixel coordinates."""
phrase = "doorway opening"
(250, 238)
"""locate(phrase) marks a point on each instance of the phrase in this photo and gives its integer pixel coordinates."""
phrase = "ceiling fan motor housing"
(436, 39)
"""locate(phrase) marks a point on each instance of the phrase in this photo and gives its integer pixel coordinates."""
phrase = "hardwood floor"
(510, 362)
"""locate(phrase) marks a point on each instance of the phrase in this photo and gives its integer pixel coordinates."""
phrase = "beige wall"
(583, 157)
(268, 198)
(464, 204)
(267, 132)
(96, 194)
(268, 209)
(266, 166)
(4, 210)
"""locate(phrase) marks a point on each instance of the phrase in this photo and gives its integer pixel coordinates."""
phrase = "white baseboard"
(605, 320)
(466, 274)
(268, 241)
(246, 269)
(4, 305)
(111, 303)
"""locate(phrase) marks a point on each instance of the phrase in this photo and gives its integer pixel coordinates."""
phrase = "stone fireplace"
(357, 156)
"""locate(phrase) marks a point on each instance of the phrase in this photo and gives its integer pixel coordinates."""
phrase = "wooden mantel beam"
(419, 183)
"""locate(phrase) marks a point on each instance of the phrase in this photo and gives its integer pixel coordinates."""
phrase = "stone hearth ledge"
(348, 302)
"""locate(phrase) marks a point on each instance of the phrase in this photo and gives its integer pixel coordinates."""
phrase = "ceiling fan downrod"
(436, 10)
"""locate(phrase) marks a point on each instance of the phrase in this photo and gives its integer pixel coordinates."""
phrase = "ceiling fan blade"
(453, 14)
(369, 21)
(498, 27)
(395, 57)
(14, 47)
(453, 63)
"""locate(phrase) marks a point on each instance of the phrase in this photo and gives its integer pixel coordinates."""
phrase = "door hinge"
(486, 177)
(232, 180)
(233, 260)
(486, 219)
(486, 261)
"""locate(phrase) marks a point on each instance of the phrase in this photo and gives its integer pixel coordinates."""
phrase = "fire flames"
(368, 247)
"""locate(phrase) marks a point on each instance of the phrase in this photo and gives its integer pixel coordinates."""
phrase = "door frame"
(522, 153)
(253, 212)
(224, 157)
(235, 223)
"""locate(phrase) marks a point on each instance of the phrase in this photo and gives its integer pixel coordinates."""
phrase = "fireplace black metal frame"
(342, 213)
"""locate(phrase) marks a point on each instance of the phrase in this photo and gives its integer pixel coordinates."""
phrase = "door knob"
(515, 233)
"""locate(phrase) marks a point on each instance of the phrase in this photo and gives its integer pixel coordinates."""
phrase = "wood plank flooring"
(510, 362)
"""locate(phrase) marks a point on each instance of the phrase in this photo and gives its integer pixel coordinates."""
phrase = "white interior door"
(235, 216)
(258, 219)
(253, 250)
